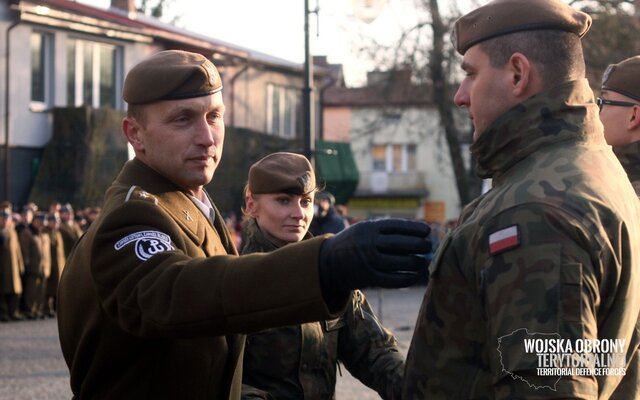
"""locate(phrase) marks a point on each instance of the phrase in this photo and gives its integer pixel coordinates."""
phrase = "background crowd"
(34, 245)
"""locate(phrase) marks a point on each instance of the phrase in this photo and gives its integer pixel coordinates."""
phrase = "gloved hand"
(385, 253)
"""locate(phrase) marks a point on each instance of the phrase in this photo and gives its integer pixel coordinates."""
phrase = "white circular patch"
(147, 243)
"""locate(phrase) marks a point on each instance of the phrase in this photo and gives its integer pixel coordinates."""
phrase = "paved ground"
(32, 367)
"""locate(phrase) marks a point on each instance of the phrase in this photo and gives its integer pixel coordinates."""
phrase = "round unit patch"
(147, 243)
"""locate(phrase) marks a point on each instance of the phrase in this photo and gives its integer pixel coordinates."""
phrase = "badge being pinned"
(147, 243)
(503, 240)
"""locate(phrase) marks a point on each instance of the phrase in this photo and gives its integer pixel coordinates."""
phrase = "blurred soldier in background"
(326, 218)
(36, 252)
(58, 259)
(69, 228)
(619, 104)
(11, 267)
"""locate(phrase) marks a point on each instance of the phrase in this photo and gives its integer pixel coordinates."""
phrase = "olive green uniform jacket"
(36, 253)
(552, 251)
(70, 232)
(58, 260)
(152, 307)
(11, 264)
(300, 361)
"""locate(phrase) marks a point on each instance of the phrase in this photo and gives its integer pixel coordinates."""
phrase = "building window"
(394, 158)
(379, 154)
(283, 111)
(41, 59)
(92, 74)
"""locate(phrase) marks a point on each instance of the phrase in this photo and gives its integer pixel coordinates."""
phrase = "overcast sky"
(276, 27)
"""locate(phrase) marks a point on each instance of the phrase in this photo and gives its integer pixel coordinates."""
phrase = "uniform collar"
(258, 240)
(154, 182)
(565, 112)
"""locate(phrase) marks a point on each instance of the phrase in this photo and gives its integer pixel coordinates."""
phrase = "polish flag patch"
(503, 240)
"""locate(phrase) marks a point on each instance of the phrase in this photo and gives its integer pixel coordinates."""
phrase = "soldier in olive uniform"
(300, 361)
(36, 252)
(619, 103)
(552, 252)
(11, 268)
(69, 228)
(58, 259)
(154, 301)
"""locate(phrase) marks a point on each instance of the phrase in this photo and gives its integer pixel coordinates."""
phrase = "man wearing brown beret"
(535, 293)
(154, 300)
(619, 104)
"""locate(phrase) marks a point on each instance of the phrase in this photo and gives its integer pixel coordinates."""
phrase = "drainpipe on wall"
(6, 111)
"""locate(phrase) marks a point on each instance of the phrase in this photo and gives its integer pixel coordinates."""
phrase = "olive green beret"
(282, 173)
(501, 17)
(623, 78)
(171, 75)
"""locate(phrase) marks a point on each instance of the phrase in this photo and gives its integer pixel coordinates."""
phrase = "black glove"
(386, 253)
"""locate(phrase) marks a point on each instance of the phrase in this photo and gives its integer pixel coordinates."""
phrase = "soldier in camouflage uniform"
(552, 251)
(619, 103)
(300, 361)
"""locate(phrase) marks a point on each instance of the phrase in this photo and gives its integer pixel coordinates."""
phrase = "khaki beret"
(623, 78)
(501, 17)
(171, 75)
(282, 173)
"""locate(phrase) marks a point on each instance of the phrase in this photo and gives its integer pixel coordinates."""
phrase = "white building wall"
(405, 126)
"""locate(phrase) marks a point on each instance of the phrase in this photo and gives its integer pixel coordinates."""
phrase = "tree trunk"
(442, 96)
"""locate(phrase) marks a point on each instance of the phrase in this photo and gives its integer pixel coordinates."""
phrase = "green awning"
(336, 169)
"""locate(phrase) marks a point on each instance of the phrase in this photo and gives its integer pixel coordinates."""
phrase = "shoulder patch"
(504, 239)
(147, 243)
(136, 193)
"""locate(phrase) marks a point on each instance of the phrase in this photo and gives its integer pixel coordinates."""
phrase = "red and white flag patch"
(503, 240)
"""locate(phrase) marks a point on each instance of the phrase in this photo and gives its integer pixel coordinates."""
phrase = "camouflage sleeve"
(369, 351)
(537, 280)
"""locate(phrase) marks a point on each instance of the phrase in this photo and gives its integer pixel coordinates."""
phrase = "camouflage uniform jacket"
(551, 251)
(629, 156)
(299, 361)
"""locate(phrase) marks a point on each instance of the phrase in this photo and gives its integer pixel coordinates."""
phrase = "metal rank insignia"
(187, 215)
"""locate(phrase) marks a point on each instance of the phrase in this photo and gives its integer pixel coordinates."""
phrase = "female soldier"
(300, 361)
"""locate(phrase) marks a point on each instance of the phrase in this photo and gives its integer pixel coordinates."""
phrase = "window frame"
(46, 54)
(288, 99)
(77, 84)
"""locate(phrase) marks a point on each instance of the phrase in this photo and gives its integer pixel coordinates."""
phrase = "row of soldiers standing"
(33, 250)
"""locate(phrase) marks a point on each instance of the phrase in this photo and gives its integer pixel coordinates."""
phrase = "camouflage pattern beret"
(501, 17)
(623, 78)
(282, 173)
(171, 75)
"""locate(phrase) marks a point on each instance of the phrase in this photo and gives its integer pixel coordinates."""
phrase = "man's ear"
(520, 71)
(131, 129)
(633, 123)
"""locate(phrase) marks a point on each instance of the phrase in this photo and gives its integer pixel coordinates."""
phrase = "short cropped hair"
(137, 112)
(557, 54)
